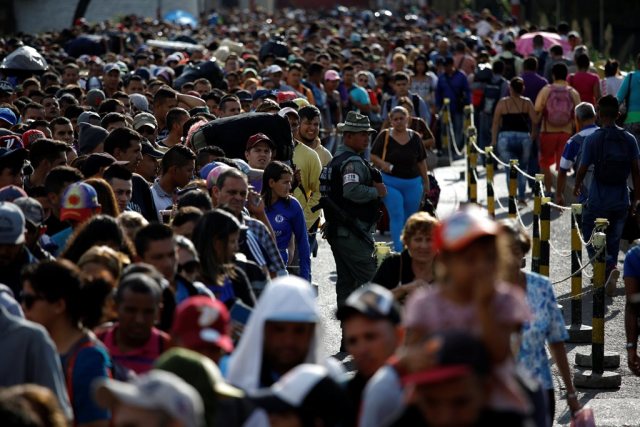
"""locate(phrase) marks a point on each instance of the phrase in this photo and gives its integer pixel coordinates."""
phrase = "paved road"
(612, 407)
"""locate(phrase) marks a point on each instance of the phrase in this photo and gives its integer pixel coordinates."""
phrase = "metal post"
(578, 333)
(545, 235)
(491, 201)
(472, 163)
(513, 187)
(468, 117)
(444, 129)
(597, 337)
(598, 360)
(535, 236)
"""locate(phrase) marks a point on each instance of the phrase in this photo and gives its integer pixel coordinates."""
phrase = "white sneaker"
(611, 283)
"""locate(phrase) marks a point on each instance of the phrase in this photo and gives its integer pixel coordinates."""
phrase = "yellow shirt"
(306, 159)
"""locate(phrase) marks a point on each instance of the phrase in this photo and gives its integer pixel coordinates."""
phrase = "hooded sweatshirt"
(286, 299)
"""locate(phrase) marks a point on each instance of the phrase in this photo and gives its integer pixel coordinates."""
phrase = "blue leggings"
(402, 200)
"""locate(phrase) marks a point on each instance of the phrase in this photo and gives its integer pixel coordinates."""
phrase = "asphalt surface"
(617, 407)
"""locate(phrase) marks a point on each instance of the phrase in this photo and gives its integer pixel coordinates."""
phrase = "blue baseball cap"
(8, 116)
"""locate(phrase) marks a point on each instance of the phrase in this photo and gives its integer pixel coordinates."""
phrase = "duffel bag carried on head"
(231, 134)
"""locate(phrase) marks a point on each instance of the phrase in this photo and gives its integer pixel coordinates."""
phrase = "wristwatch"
(631, 345)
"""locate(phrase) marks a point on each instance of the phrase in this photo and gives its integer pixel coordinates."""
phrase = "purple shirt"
(533, 83)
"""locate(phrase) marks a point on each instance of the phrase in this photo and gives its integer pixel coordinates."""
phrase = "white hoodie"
(286, 299)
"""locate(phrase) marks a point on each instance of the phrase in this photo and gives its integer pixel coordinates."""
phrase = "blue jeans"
(617, 220)
(402, 200)
(515, 145)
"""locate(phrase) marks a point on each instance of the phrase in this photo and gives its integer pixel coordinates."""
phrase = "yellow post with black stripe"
(513, 187)
(535, 235)
(472, 163)
(597, 336)
(598, 361)
(490, 170)
(468, 117)
(444, 128)
(578, 333)
(545, 235)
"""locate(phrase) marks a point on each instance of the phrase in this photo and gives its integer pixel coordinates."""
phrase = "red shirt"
(584, 82)
(139, 360)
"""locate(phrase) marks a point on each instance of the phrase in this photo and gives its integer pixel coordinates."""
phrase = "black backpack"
(509, 67)
(492, 94)
(611, 167)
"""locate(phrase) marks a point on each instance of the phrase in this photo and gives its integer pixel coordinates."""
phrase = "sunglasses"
(189, 267)
(29, 299)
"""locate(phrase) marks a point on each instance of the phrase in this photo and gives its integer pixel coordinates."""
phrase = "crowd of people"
(149, 278)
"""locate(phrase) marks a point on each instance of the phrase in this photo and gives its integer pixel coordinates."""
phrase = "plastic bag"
(583, 418)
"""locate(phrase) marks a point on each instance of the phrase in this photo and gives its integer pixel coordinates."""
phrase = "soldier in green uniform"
(352, 191)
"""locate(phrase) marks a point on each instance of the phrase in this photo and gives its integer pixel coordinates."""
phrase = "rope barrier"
(453, 136)
(478, 149)
(562, 208)
(497, 199)
(497, 159)
(558, 252)
(526, 175)
(595, 256)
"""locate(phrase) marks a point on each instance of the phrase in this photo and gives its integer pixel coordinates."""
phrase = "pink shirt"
(429, 310)
(139, 360)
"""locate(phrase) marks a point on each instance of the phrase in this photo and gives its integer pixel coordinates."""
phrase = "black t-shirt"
(141, 196)
(394, 270)
(404, 158)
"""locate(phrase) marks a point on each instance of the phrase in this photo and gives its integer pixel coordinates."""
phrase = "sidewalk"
(619, 407)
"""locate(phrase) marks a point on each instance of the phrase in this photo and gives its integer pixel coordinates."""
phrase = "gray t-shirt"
(382, 399)
(29, 356)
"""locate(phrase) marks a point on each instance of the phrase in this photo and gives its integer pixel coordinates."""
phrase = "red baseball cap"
(201, 321)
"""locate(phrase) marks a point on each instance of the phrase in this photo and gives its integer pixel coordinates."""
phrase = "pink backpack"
(559, 107)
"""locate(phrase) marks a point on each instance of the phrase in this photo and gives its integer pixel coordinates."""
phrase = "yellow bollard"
(444, 128)
(535, 235)
(491, 200)
(472, 162)
(545, 235)
(513, 187)
(578, 333)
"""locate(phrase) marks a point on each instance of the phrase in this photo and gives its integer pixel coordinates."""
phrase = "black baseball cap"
(150, 150)
(372, 301)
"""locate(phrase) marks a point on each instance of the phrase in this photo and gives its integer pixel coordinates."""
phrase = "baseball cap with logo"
(79, 202)
(156, 390)
(12, 224)
(8, 116)
(201, 321)
(32, 210)
(31, 135)
(372, 301)
(11, 149)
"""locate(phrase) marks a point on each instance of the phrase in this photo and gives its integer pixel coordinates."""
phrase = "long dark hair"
(106, 196)
(214, 225)
(98, 230)
(273, 171)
